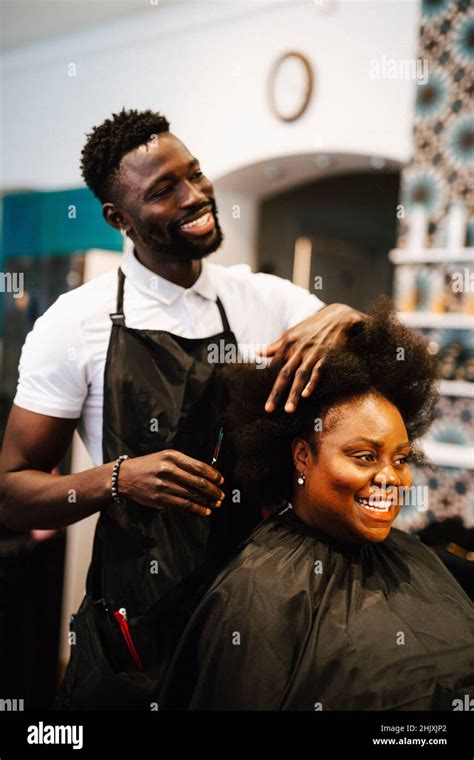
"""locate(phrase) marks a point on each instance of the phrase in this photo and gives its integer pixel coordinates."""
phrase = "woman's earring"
(301, 479)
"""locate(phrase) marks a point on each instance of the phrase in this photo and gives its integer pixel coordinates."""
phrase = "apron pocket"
(102, 674)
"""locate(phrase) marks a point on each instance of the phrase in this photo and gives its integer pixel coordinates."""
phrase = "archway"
(343, 205)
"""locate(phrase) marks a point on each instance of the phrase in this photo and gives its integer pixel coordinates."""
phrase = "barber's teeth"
(197, 222)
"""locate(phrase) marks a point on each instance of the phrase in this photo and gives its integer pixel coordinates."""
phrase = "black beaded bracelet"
(115, 473)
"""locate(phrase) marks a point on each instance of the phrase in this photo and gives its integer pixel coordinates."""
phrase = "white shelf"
(429, 319)
(449, 454)
(431, 255)
(456, 388)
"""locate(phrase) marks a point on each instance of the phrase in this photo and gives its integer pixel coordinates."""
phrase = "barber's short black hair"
(110, 141)
(382, 356)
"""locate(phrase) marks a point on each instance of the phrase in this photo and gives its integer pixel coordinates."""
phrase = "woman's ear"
(301, 454)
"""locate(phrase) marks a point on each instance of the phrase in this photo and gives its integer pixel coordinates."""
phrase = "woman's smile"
(382, 511)
(379, 505)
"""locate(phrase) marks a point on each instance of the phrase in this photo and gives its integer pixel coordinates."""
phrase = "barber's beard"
(180, 246)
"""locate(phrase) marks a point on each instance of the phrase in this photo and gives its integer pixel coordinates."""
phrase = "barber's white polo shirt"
(61, 369)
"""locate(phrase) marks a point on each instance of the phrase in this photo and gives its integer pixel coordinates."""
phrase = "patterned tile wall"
(441, 171)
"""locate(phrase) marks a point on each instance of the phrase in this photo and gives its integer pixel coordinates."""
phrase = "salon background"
(365, 191)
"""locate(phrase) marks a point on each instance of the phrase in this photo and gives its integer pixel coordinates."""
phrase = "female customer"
(326, 606)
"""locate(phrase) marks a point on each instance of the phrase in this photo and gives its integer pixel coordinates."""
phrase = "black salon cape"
(298, 622)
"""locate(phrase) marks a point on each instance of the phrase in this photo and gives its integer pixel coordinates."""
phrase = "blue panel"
(48, 223)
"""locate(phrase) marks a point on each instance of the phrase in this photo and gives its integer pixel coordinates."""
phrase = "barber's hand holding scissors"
(171, 480)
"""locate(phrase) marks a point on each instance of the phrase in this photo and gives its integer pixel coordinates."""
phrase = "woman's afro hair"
(110, 141)
(381, 356)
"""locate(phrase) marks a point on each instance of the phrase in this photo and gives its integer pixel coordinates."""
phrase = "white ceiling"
(23, 22)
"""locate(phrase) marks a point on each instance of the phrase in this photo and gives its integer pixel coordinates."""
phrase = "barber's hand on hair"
(302, 349)
(171, 480)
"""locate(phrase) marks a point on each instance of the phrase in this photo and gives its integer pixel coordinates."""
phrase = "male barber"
(125, 359)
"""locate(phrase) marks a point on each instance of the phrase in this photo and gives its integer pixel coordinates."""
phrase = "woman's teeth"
(374, 506)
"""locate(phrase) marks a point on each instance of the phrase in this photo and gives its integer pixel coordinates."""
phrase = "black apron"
(160, 392)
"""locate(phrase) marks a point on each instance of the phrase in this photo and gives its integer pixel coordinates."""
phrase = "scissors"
(218, 446)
